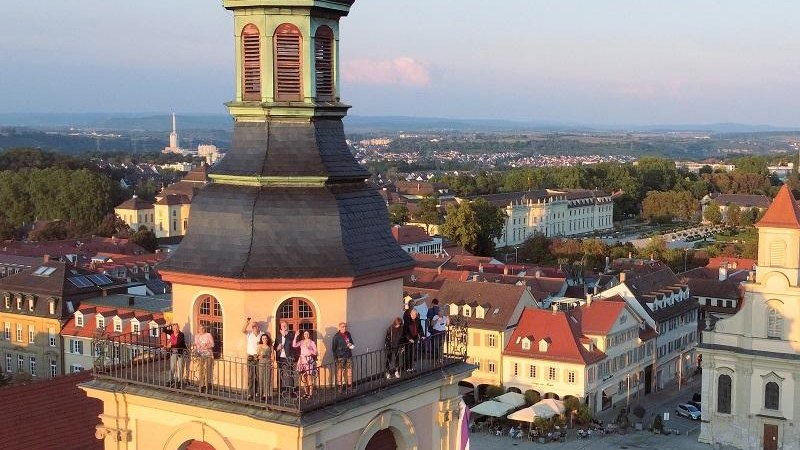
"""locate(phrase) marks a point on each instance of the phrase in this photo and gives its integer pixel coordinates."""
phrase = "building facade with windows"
(751, 373)
(35, 302)
(564, 212)
(288, 230)
(594, 350)
(111, 315)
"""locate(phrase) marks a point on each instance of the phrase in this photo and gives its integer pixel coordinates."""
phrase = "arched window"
(772, 395)
(251, 63)
(288, 64)
(323, 63)
(209, 315)
(297, 313)
(774, 322)
(724, 394)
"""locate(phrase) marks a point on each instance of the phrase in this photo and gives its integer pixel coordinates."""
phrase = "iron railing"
(143, 359)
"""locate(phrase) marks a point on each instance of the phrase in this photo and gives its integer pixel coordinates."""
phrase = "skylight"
(44, 271)
(80, 282)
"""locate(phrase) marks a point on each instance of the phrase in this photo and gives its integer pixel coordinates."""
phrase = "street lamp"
(516, 261)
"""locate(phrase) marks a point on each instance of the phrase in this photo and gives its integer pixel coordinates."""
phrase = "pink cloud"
(402, 71)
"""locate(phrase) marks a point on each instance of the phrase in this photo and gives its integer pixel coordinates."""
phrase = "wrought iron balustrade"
(143, 359)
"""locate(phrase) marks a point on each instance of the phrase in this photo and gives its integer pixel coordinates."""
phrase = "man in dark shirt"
(412, 336)
(285, 355)
(176, 344)
(343, 354)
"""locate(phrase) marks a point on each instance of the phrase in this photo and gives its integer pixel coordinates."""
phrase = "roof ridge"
(784, 211)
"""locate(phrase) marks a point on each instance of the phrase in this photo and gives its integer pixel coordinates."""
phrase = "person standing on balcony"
(413, 335)
(393, 349)
(342, 347)
(264, 353)
(176, 344)
(252, 335)
(204, 346)
(285, 356)
(306, 362)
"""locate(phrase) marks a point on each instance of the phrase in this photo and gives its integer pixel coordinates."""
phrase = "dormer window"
(251, 63)
(19, 302)
(30, 304)
(135, 326)
(118, 325)
(479, 312)
(453, 309)
(467, 311)
(153, 329)
(526, 344)
(52, 306)
(101, 321)
(288, 63)
(78, 319)
(7, 300)
(543, 345)
(323, 63)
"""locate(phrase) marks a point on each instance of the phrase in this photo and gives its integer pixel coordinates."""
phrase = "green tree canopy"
(712, 213)
(733, 215)
(474, 225)
(145, 238)
(427, 212)
(398, 214)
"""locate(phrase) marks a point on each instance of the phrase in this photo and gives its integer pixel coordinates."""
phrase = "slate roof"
(51, 413)
(713, 288)
(745, 200)
(783, 213)
(241, 232)
(561, 328)
(501, 297)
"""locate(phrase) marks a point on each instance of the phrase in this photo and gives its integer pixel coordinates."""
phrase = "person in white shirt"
(253, 334)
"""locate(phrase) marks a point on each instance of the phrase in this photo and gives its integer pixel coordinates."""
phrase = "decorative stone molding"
(401, 425)
(101, 432)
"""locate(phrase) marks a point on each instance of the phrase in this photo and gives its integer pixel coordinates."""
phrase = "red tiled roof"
(733, 263)
(51, 413)
(503, 298)
(409, 234)
(601, 315)
(90, 320)
(563, 331)
(783, 213)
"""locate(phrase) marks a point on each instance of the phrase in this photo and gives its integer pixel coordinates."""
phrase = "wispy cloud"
(401, 71)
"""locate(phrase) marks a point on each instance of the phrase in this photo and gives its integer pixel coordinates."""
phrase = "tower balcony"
(142, 360)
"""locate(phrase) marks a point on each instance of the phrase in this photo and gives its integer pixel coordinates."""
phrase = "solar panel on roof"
(80, 282)
(100, 280)
(40, 270)
(49, 271)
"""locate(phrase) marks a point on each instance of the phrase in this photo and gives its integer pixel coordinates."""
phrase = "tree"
(112, 225)
(474, 225)
(145, 238)
(427, 212)
(56, 230)
(713, 213)
(532, 397)
(734, 216)
(398, 214)
(536, 249)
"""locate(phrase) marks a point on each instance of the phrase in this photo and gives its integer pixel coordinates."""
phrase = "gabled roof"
(50, 413)
(562, 330)
(745, 200)
(409, 234)
(504, 299)
(135, 203)
(175, 199)
(599, 317)
(783, 213)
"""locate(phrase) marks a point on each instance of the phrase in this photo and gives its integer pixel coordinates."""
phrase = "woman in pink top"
(204, 346)
(306, 362)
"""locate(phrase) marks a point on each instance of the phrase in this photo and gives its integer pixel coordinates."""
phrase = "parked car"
(688, 411)
(695, 404)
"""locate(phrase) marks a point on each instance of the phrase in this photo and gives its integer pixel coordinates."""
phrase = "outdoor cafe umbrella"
(512, 398)
(523, 415)
(492, 408)
(548, 408)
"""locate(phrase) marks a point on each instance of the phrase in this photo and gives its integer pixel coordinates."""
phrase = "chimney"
(596, 289)
(723, 272)
(46, 258)
(131, 300)
(589, 298)
(622, 277)
(505, 270)
(480, 267)
(608, 264)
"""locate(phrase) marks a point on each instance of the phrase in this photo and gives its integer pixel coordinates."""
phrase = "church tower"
(751, 373)
(287, 231)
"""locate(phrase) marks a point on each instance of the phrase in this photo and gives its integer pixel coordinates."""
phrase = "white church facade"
(751, 360)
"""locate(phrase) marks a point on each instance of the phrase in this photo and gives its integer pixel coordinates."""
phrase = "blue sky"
(576, 61)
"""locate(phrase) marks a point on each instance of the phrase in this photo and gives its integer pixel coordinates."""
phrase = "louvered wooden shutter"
(288, 64)
(323, 58)
(251, 63)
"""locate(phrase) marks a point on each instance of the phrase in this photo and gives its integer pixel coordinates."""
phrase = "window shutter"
(80, 347)
(288, 64)
(251, 63)
(323, 59)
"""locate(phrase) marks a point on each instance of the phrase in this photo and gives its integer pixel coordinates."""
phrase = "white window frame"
(20, 362)
(75, 368)
(53, 368)
(153, 329)
(118, 325)
(136, 327)
(51, 337)
(9, 362)
(19, 332)
(491, 341)
(7, 331)
(76, 346)
(78, 319)
(532, 371)
(571, 377)
(32, 365)
(101, 321)
(31, 334)
(492, 367)
(552, 373)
